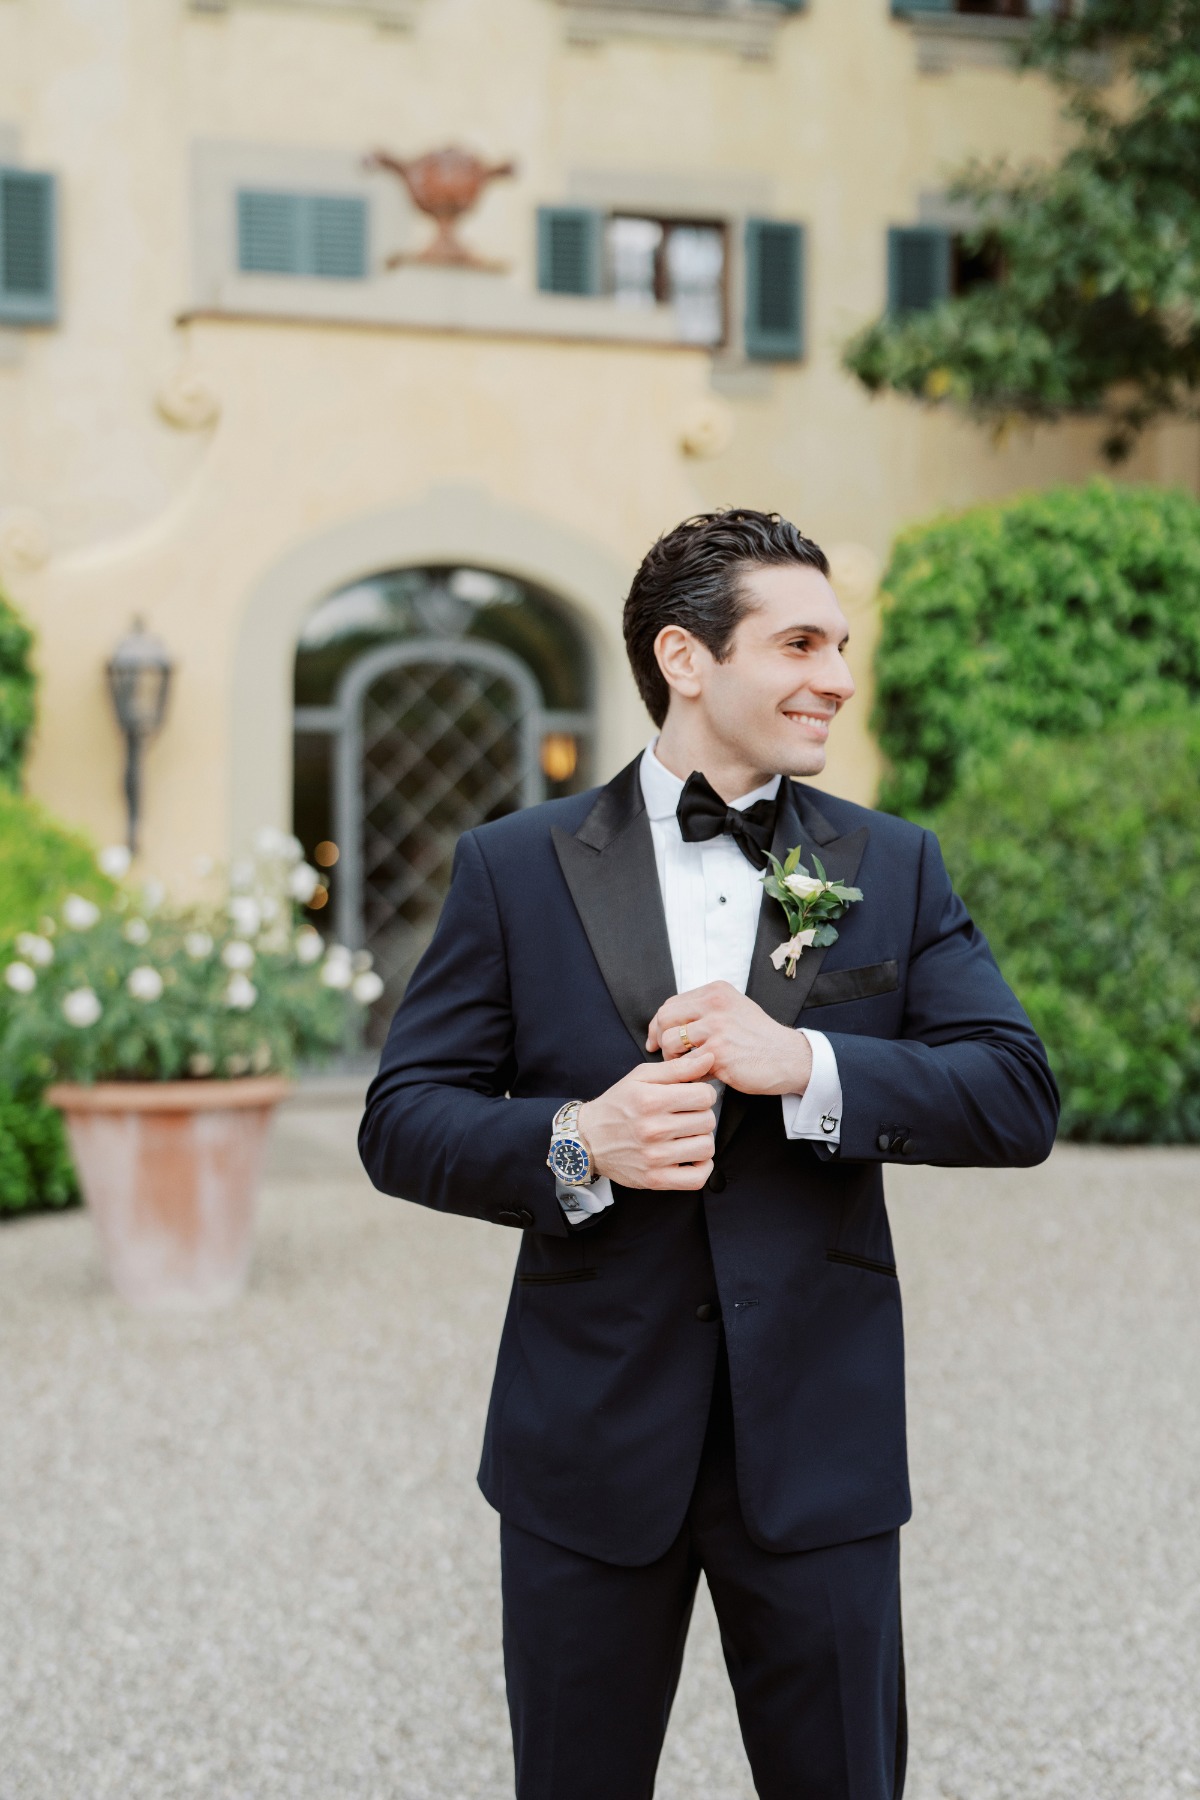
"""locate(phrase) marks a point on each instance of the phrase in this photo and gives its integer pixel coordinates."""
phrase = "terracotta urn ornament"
(446, 184)
(166, 1035)
(170, 1171)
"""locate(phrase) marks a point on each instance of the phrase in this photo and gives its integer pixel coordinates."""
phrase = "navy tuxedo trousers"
(812, 1643)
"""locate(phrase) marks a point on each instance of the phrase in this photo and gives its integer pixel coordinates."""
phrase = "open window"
(648, 260)
(639, 261)
(929, 263)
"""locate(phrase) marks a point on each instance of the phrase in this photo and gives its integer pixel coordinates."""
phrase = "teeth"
(811, 718)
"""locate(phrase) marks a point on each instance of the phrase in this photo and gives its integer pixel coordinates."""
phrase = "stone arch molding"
(451, 525)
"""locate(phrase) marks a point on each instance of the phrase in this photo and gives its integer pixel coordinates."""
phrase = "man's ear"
(679, 657)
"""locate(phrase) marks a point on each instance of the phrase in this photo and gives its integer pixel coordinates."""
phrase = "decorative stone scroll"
(706, 427)
(24, 541)
(187, 399)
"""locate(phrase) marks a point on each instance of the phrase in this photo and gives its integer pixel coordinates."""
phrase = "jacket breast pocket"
(833, 987)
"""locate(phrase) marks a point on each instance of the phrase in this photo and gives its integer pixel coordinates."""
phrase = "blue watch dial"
(570, 1161)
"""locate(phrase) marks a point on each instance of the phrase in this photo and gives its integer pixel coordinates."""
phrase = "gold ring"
(685, 1040)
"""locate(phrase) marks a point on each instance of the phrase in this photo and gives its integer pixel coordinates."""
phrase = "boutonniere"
(811, 902)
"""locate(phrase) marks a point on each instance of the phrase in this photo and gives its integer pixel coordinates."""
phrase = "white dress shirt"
(712, 896)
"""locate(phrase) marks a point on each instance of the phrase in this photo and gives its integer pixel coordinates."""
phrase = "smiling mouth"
(818, 723)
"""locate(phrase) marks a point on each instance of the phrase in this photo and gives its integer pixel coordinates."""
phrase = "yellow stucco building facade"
(247, 391)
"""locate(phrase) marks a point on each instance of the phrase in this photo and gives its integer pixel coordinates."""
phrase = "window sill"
(746, 27)
(948, 41)
(390, 15)
(443, 300)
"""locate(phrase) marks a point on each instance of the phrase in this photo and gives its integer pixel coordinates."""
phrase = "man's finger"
(689, 1150)
(685, 1177)
(687, 1097)
(679, 1123)
(675, 1011)
(681, 1040)
(680, 1068)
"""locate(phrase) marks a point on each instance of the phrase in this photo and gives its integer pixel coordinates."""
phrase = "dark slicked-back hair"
(693, 578)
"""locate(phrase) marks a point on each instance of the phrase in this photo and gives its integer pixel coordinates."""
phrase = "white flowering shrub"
(134, 988)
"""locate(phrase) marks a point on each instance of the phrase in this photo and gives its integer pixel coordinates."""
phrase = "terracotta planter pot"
(169, 1171)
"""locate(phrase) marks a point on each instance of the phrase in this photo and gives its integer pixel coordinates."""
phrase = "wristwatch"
(570, 1160)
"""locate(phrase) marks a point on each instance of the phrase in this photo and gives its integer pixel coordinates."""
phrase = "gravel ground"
(242, 1555)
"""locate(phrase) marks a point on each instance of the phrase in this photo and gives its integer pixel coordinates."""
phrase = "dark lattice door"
(447, 738)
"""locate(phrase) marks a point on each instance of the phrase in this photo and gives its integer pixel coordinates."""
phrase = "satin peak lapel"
(799, 822)
(609, 867)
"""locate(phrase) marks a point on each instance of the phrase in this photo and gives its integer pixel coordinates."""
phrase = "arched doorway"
(428, 701)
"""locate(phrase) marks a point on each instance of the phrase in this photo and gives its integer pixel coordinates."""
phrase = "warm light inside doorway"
(560, 754)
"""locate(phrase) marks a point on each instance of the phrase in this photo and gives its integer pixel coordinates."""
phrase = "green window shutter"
(302, 234)
(902, 8)
(28, 248)
(270, 233)
(919, 258)
(570, 242)
(338, 237)
(775, 259)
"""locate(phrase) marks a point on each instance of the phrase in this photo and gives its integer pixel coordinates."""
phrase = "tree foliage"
(16, 693)
(40, 863)
(1081, 862)
(1064, 613)
(1097, 305)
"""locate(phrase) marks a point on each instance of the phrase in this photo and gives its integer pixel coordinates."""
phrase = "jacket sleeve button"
(906, 1148)
(883, 1142)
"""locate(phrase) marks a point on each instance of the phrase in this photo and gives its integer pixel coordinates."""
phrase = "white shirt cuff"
(583, 1203)
(817, 1112)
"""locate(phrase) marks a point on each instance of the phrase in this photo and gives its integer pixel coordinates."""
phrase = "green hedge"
(1081, 862)
(1059, 614)
(40, 863)
(16, 693)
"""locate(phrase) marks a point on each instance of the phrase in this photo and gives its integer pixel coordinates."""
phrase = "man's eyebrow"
(818, 631)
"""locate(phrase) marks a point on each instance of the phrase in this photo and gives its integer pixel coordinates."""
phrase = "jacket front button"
(717, 1181)
(883, 1141)
(707, 1311)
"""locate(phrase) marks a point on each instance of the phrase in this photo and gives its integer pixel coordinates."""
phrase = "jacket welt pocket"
(835, 986)
(861, 1262)
(551, 1279)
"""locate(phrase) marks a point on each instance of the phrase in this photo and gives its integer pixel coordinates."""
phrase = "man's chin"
(801, 762)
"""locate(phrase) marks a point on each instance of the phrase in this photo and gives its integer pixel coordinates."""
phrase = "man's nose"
(833, 678)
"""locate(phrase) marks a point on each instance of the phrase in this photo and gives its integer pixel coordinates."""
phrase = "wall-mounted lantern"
(139, 680)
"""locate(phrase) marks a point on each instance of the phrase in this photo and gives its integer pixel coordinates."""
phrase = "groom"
(702, 1364)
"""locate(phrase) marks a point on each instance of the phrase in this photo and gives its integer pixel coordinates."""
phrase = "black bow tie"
(702, 815)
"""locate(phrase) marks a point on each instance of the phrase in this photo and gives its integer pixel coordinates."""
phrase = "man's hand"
(749, 1050)
(654, 1128)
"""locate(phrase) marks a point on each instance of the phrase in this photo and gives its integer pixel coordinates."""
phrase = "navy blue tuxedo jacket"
(550, 958)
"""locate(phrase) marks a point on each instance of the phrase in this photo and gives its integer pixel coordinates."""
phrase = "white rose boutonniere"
(811, 903)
